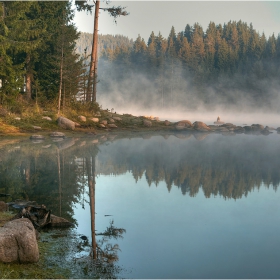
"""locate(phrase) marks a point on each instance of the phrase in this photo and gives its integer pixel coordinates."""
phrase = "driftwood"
(39, 215)
(4, 194)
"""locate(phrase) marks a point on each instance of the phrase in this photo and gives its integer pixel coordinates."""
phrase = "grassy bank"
(31, 118)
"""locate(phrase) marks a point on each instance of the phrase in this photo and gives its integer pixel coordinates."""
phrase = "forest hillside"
(229, 65)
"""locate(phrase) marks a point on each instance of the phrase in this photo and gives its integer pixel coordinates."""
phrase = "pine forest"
(44, 59)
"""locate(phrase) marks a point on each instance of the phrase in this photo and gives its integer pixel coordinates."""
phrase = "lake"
(161, 206)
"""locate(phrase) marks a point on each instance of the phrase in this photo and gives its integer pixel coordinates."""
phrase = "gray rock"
(111, 125)
(37, 137)
(147, 123)
(82, 118)
(228, 125)
(47, 118)
(37, 127)
(96, 120)
(257, 127)
(18, 242)
(201, 126)
(187, 123)
(57, 134)
(117, 118)
(66, 123)
(111, 120)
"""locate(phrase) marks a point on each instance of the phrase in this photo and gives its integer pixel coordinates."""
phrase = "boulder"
(257, 127)
(201, 126)
(111, 125)
(65, 123)
(3, 206)
(228, 125)
(18, 242)
(96, 120)
(46, 118)
(37, 127)
(111, 120)
(187, 123)
(180, 126)
(167, 123)
(117, 118)
(82, 118)
(57, 134)
(147, 123)
(239, 129)
(77, 124)
(105, 122)
(37, 137)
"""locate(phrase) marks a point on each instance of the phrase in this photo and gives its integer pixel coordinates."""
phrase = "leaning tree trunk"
(91, 90)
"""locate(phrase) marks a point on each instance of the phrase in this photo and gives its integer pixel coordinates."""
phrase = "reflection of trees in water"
(56, 176)
(227, 166)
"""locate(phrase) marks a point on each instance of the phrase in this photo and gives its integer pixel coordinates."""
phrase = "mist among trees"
(229, 65)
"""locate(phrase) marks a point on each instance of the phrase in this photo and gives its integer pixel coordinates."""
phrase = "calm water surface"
(192, 206)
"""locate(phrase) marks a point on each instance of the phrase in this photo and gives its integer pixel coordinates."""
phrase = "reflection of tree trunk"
(90, 165)
(59, 180)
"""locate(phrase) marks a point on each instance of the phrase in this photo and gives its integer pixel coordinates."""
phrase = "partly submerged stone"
(201, 126)
(57, 134)
(37, 137)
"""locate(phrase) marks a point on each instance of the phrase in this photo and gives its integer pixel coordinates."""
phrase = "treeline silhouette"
(226, 64)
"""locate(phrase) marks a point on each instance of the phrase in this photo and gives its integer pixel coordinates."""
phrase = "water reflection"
(63, 175)
(54, 172)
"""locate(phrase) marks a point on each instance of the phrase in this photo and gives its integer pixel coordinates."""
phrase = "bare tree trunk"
(28, 78)
(60, 82)
(91, 92)
(28, 86)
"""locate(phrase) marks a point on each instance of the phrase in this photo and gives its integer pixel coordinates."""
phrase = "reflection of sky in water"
(169, 235)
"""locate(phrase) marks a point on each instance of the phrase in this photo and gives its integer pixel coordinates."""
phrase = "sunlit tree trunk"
(91, 87)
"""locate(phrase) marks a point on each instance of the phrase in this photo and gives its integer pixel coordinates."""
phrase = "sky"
(147, 16)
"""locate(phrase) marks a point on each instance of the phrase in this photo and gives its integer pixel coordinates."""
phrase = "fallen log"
(39, 215)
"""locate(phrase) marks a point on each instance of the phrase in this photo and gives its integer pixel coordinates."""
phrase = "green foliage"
(36, 37)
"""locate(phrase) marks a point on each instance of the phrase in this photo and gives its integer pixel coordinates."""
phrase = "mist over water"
(180, 97)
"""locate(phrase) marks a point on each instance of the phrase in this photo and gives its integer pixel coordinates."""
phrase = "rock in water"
(201, 126)
(18, 242)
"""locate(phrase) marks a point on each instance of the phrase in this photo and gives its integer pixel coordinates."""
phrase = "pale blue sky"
(148, 16)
